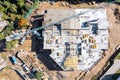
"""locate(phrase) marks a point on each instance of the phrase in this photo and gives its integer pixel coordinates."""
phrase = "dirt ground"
(8, 74)
(62, 5)
(26, 46)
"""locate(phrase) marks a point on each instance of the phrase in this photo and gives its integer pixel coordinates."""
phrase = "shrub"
(39, 75)
(8, 29)
(2, 36)
(10, 45)
(4, 56)
(117, 1)
(94, 77)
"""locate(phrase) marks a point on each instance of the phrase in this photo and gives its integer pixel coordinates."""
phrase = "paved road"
(108, 75)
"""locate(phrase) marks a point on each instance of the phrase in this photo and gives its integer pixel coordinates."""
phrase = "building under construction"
(77, 43)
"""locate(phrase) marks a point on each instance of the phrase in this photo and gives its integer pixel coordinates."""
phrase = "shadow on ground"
(111, 76)
(2, 46)
(43, 55)
(111, 62)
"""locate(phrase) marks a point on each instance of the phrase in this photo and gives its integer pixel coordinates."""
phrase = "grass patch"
(7, 67)
(116, 75)
(39, 75)
(117, 57)
(4, 56)
(94, 77)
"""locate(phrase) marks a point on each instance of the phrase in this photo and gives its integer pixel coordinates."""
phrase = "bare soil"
(8, 74)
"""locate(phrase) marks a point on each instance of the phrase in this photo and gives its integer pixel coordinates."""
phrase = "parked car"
(25, 67)
(13, 59)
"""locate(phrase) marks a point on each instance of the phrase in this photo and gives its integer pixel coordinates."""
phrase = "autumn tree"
(23, 23)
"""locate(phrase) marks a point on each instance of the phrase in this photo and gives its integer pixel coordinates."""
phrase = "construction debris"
(31, 60)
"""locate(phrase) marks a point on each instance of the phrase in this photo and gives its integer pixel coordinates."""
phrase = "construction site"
(113, 40)
(78, 45)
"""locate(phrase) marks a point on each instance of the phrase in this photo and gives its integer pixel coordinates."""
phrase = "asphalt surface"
(108, 75)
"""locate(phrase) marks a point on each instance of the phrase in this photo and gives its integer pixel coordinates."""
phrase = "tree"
(18, 17)
(39, 75)
(11, 45)
(4, 16)
(2, 8)
(34, 0)
(118, 1)
(2, 36)
(6, 4)
(23, 23)
(94, 77)
(20, 3)
(8, 29)
(12, 17)
(27, 6)
(13, 8)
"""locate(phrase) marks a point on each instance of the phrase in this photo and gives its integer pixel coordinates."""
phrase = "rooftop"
(76, 44)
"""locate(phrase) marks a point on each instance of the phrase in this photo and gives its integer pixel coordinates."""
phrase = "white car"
(25, 68)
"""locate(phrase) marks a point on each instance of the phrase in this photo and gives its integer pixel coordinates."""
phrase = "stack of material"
(71, 62)
(94, 46)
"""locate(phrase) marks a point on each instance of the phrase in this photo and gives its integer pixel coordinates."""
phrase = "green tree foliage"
(13, 8)
(1, 3)
(94, 77)
(34, 0)
(10, 45)
(18, 17)
(118, 1)
(2, 36)
(6, 4)
(4, 56)
(39, 75)
(8, 30)
(27, 6)
(20, 3)
(2, 8)
(13, 17)
(5, 16)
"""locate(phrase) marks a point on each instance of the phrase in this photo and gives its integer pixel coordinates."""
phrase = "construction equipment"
(37, 34)
(22, 34)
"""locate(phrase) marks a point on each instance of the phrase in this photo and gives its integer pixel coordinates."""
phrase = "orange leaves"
(23, 23)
